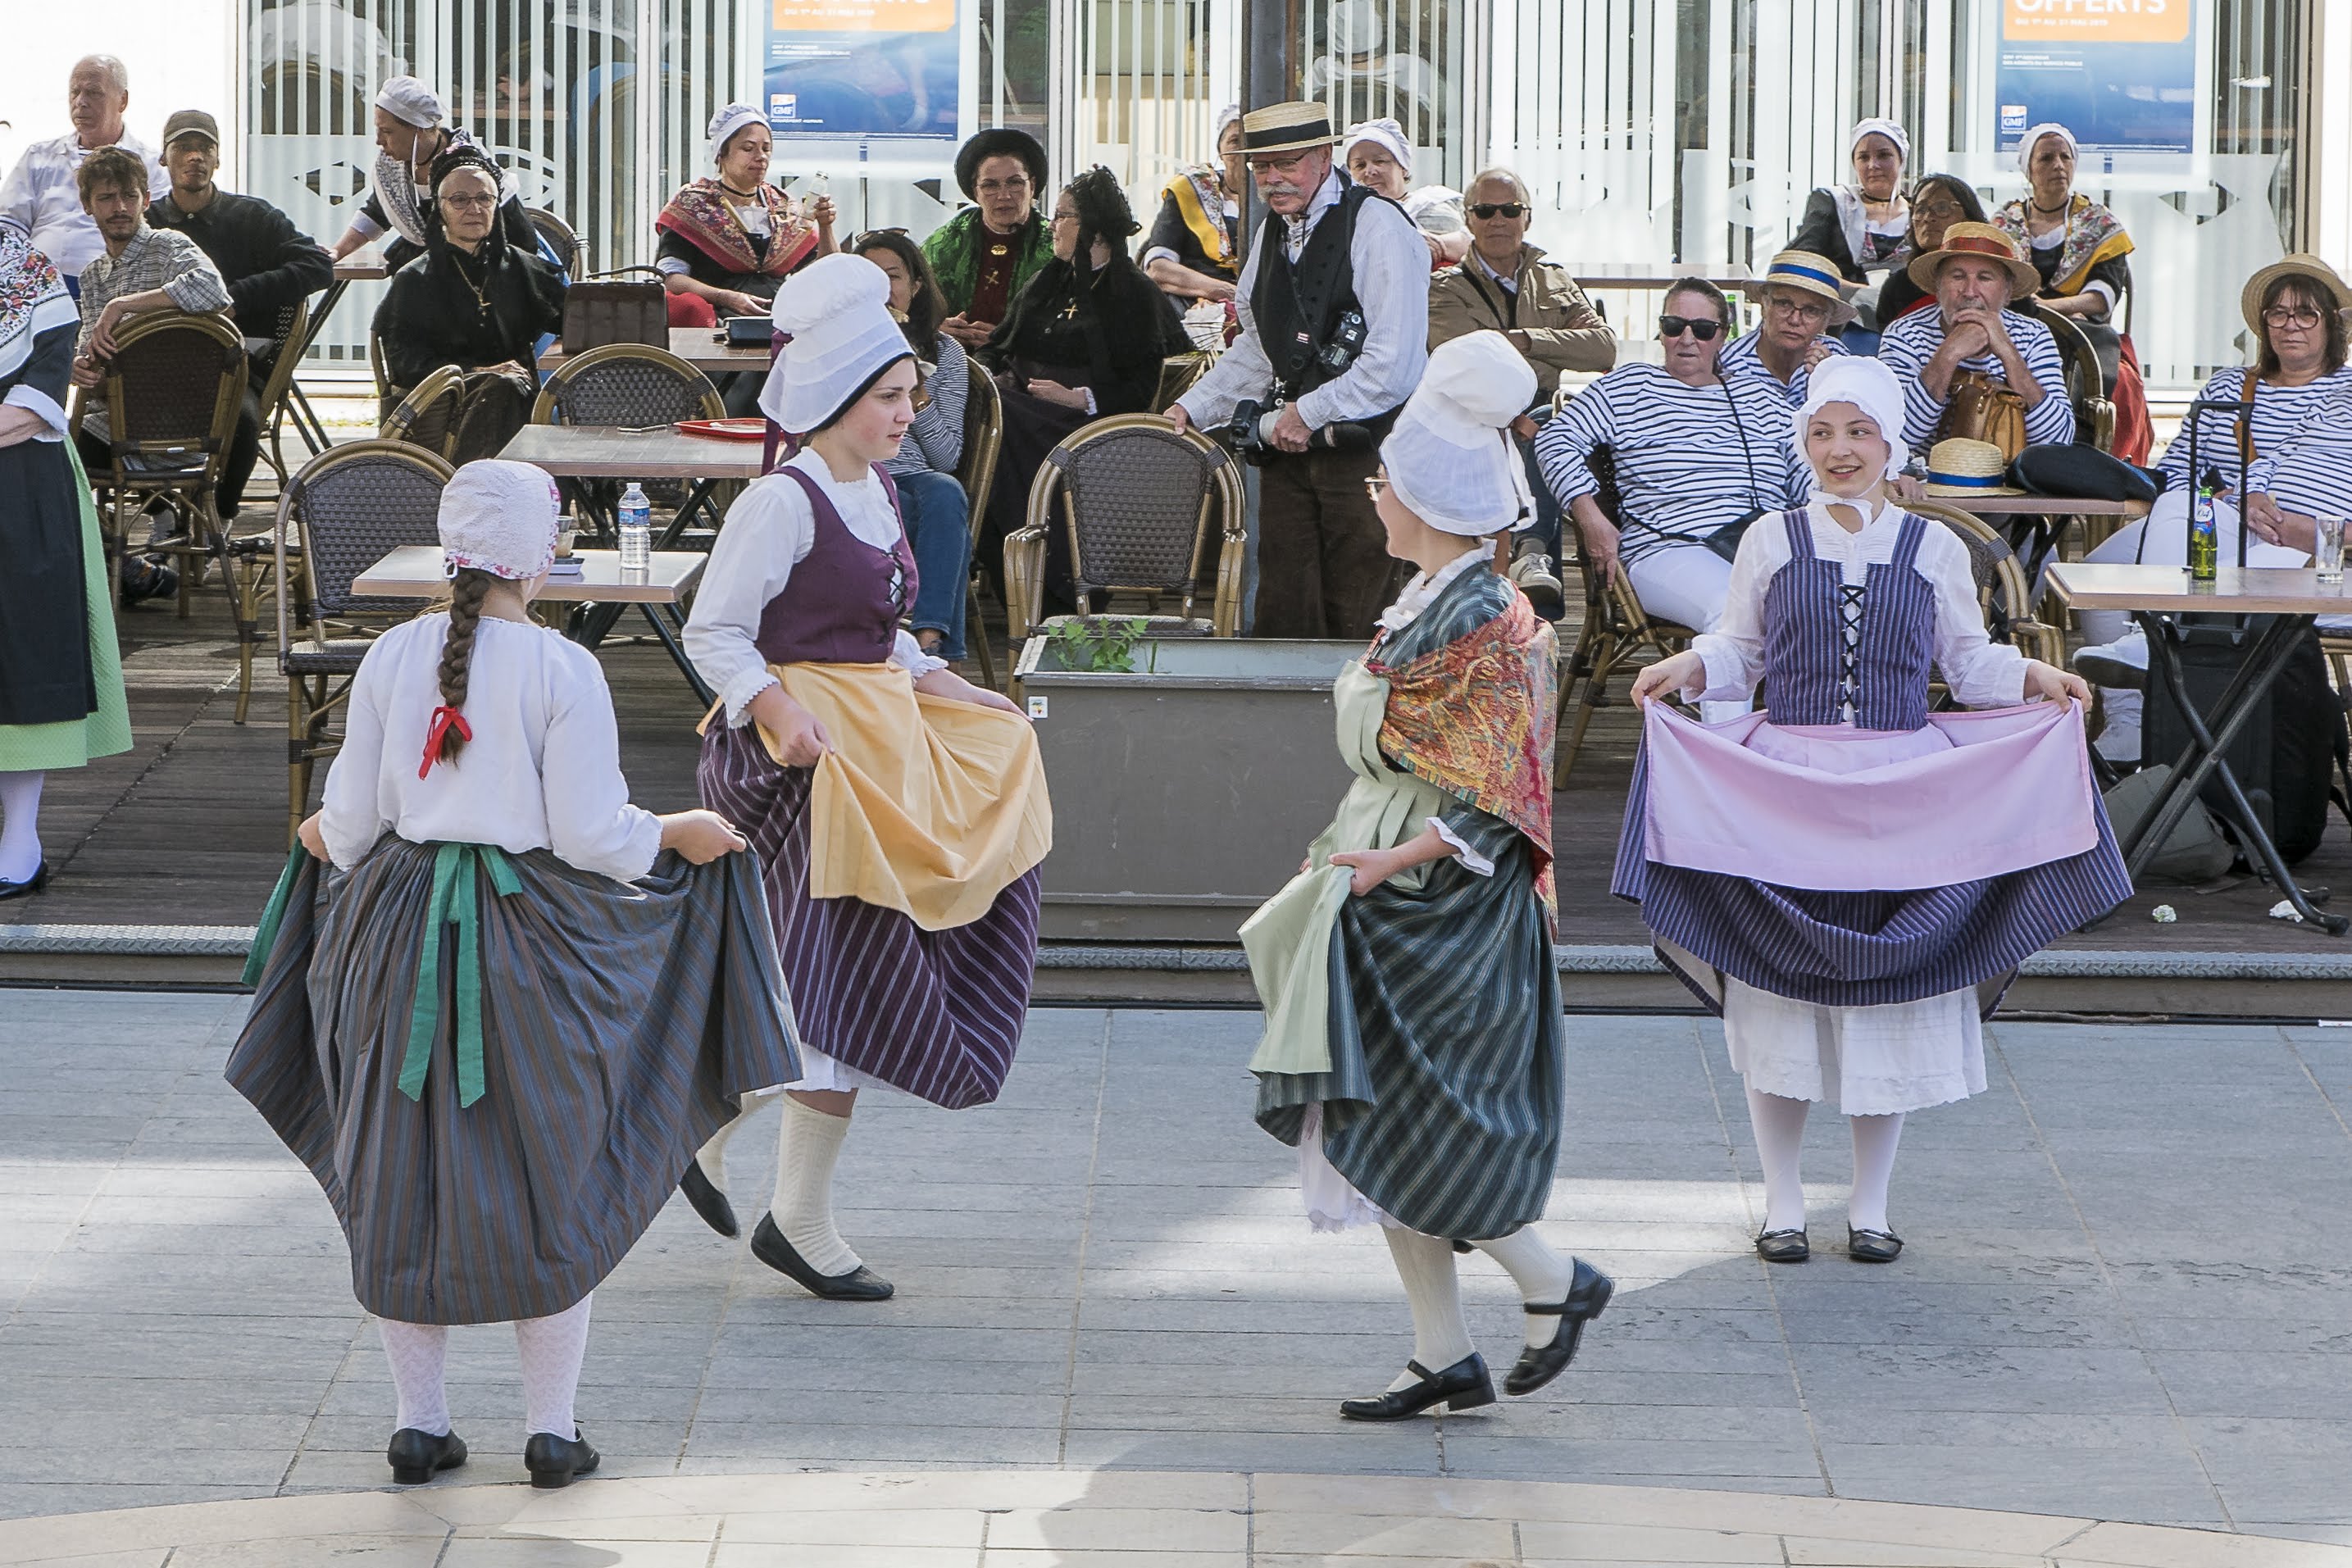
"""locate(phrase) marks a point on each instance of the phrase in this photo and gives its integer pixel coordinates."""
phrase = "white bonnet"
(410, 102)
(1450, 458)
(835, 314)
(2032, 138)
(501, 517)
(730, 120)
(1871, 387)
(1880, 127)
(1386, 134)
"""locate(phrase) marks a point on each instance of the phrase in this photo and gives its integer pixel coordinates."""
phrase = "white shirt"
(770, 531)
(541, 772)
(40, 193)
(1980, 671)
(1392, 283)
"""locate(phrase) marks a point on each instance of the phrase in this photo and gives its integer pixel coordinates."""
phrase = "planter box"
(1185, 792)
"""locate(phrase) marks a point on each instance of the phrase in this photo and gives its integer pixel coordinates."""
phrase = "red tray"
(726, 429)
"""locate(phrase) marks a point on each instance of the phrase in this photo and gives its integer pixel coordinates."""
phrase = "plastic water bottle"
(636, 530)
(2204, 541)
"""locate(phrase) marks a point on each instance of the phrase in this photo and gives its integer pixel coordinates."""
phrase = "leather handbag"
(595, 314)
(1979, 408)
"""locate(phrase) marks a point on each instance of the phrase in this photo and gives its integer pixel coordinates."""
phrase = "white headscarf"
(410, 102)
(501, 517)
(835, 314)
(1450, 456)
(728, 121)
(1227, 117)
(1878, 127)
(1386, 134)
(2032, 138)
(1871, 387)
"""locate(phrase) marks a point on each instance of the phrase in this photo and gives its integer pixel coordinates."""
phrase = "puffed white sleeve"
(768, 531)
(1732, 653)
(350, 808)
(590, 822)
(1980, 671)
(908, 655)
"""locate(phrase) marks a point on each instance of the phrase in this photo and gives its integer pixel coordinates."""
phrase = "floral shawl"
(700, 216)
(1474, 717)
(1200, 197)
(33, 298)
(2093, 234)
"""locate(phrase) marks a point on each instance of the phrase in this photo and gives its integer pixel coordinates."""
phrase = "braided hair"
(467, 592)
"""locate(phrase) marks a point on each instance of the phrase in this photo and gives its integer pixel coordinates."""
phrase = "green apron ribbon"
(454, 904)
(273, 916)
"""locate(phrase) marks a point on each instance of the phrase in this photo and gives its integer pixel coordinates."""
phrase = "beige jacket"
(1564, 332)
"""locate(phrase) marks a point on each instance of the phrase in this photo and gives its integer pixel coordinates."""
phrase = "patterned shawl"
(1199, 196)
(2093, 235)
(700, 216)
(1474, 717)
(33, 297)
(403, 201)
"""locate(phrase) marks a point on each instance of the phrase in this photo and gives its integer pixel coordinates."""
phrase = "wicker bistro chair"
(173, 392)
(983, 440)
(2094, 413)
(341, 513)
(1615, 634)
(426, 415)
(1138, 498)
(278, 390)
(459, 415)
(2002, 590)
(570, 253)
(628, 386)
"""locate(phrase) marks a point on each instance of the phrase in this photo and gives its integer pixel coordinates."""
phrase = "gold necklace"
(481, 295)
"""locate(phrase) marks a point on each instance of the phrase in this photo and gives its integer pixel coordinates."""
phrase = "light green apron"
(1288, 940)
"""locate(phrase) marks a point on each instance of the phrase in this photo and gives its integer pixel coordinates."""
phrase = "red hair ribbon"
(445, 719)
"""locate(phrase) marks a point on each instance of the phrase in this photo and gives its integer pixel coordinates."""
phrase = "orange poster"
(2096, 21)
(863, 15)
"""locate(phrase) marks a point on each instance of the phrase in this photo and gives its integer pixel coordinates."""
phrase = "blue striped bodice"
(1829, 647)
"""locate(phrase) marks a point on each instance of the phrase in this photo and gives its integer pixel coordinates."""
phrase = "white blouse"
(1980, 671)
(541, 772)
(770, 529)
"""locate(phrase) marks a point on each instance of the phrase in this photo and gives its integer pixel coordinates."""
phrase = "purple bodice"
(843, 602)
(1829, 646)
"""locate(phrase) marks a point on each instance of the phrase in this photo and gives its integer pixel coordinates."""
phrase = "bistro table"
(2283, 600)
(296, 405)
(414, 571)
(2043, 517)
(701, 347)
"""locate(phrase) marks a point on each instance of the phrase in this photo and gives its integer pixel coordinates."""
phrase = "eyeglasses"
(1497, 209)
(2302, 316)
(1061, 217)
(1675, 326)
(1947, 210)
(469, 203)
(919, 397)
(1013, 186)
(1803, 309)
(1376, 487)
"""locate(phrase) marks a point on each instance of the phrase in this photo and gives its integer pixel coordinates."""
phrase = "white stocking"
(550, 1350)
(419, 1355)
(20, 825)
(802, 1208)
(1874, 1138)
(1441, 1334)
(1780, 1124)
(1541, 1274)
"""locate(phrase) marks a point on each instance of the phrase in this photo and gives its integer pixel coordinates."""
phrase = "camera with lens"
(1347, 342)
(1245, 432)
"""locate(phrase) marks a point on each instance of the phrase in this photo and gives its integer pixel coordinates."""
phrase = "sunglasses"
(1497, 209)
(1675, 326)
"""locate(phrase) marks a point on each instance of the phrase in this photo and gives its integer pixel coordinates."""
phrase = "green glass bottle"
(2204, 540)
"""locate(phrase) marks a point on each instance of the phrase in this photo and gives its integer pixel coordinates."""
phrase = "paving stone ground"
(2125, 1300)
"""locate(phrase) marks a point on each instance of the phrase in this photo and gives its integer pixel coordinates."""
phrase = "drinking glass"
(2327, 549)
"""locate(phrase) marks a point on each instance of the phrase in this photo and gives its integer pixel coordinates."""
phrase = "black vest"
(1297, 306)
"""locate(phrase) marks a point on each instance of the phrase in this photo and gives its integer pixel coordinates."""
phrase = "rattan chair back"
(2094, 413)
(352, 505)
(559, 237)
(625, 385)
(427, 417)
(293, 327)
(1138, 498)
(174, 389)
(2003, 592)
(983, 437)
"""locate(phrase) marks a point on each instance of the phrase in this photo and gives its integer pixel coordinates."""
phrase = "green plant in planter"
(1096, 644)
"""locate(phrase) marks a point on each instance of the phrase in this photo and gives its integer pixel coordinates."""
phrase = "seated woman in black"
(471, 300)
(1938, 202)
(1083, 340)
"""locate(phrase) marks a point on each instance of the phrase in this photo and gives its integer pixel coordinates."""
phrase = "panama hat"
(1977, 239)
(1287, 128)
(2324, 278)
(1963, 467)
(1807, 273)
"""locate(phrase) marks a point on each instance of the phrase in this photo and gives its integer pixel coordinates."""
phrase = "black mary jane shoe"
(1588, 1293)
(555, 1462)
(1783, 1246)
(416, 1456)
(32, 884)
(1464, 1386)
(860, 1284)
(708, 1201)
(1873, 1246)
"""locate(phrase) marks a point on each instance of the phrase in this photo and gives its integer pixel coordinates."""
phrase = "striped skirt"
(935, 1013)
(617, 1025)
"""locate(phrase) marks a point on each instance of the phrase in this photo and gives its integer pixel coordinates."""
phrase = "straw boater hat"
(1287, 128)
(1806, 273)
(2323, 279)
(1977, 239)
(1961, 467)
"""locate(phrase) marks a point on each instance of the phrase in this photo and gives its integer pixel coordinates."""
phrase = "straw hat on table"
(1963, 467)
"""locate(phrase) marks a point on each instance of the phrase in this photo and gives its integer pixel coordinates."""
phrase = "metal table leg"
(656, 618)
(598, 621)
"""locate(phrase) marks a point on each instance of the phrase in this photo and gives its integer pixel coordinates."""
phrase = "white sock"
(551, 1349)
(803, 1207)
(713, 1155)
(2120, 740)
(419, 1355)
(20, 825)
(1441, 1334)
(1874, 1138)
(1541, 1274)
(1780, 1124)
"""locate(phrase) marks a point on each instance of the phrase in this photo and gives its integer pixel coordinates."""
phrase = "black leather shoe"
(417, 1457)
(1783, 1246)
(1588, 1292)
(708, 1200)
(1464, 1386)
(860, 1284)
(1873, 1246)
(555, 1462)
(29, 886)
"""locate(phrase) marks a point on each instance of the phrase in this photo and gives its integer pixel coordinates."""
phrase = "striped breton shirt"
(1689, 460)
(1913, 340)
(1740, 359)
(2280, 412)
(2311, 471)
(934, 443)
